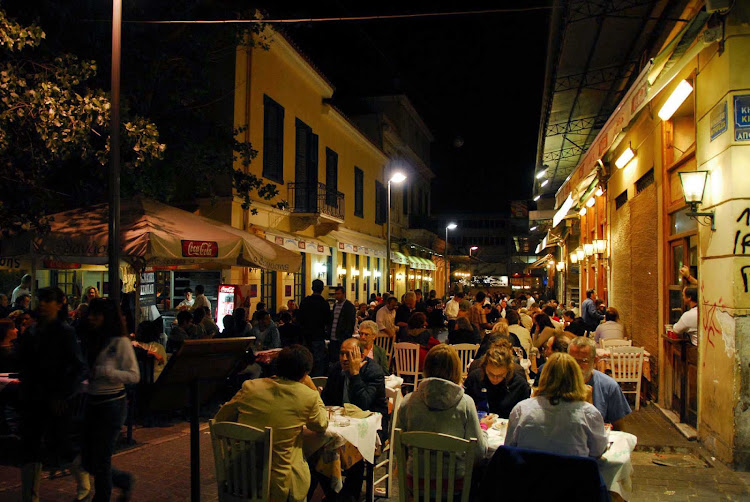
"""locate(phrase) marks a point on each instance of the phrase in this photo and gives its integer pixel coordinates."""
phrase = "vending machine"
(230, 297)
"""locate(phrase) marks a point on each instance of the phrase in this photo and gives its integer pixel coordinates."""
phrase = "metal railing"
(316, 198)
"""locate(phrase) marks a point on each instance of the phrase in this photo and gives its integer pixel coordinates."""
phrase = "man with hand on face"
(359, 381)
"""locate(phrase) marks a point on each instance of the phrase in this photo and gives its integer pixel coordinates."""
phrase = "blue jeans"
(104, 422)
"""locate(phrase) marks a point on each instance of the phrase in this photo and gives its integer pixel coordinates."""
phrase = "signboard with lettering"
(200, 249)
(719, 120)
(148, 289)
(742, 117)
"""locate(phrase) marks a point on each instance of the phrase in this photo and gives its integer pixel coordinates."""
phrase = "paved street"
(161, 464)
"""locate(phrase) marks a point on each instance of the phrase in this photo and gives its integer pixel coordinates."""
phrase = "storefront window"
(680, 222)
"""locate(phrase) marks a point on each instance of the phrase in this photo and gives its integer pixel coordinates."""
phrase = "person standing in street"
(22, 289)
(343, 319)
(200, 298)
(112, 365)
(386, 317)
(313, 316)
(451, 310)
(589, 312)
(51, 371)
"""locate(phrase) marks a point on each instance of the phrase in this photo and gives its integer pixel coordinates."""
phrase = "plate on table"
(501, 424)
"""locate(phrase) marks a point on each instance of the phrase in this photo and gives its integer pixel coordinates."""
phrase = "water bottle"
(483, 407)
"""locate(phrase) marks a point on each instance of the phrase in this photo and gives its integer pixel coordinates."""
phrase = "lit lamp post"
(450, 226)
(472, 248)
(397, 177)
(693, 187)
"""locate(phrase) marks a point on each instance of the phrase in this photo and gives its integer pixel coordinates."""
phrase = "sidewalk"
(161, 463)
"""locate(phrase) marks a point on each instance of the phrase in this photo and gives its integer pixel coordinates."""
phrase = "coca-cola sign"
(200, 249)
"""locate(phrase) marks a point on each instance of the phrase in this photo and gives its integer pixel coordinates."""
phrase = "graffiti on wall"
(717, 322)
(742, 245)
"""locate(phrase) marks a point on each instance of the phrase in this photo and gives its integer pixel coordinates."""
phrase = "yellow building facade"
(328, 172)
(651, 233)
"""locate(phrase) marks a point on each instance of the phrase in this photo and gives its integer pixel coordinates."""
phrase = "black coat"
(347, 320)
(502, 397)
(366, 390)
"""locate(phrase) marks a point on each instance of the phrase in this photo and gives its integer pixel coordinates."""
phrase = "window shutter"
(359, 182)
(273, 140)
(332, 177)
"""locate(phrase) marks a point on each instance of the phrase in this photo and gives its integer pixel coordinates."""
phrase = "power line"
(352, 18)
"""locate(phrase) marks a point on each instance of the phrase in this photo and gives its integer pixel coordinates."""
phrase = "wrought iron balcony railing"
(316, 198)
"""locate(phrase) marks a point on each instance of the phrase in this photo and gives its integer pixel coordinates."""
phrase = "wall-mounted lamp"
(541, 174)
(581, 254)
(560, 266)
(582, 212)
(588, 249)
(400, 276)
(366, 273)
(544, 183)
(599, 192)
(355, 272)
(411, 277)
(624, 158)
(591, 202)
(537, 198)
(675, 100)
(320, 269)
(573, 257)
(693, 185)
(340, 271)
(377, 274)
(600, 246)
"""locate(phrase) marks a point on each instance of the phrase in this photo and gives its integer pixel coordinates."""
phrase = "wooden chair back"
(320, 382)
(385, 342)
(615, 343)
(466, 353)
(242, 456)
(395, 397)
(407, 362)
(627, 367)
(431, 453)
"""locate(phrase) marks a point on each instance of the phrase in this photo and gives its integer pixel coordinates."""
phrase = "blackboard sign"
(148, 289)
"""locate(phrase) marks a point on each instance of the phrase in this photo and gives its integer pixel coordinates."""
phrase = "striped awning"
(399, 258)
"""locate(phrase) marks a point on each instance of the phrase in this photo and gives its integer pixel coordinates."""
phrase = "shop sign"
(10, 263)
(742, 117)
(60, 265)
(719, 120)
(148, 289)
(200, 249)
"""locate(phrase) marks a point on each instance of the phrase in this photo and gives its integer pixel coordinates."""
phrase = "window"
(381, 211)
(332, 177)
(273, 140)
(268, 289)
(621, 199)
(305, 169)
(359, 185)
(644, 181)
(299, 281)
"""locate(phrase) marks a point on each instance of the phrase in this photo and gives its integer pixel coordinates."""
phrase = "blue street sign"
(742, 117)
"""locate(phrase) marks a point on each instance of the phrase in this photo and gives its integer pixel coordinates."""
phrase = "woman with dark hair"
(418, 333)
(112, 365)
(463, 332)
(544, 329)
(240, 327)
(497, 384)
(8, 353)
(146, 338)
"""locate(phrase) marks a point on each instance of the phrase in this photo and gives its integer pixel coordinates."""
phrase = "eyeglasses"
(585, 360)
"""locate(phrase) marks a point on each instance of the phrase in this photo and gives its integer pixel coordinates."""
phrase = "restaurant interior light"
(591, 202)
(580, 253)
(532, 229)
(537, 198)
(600, 245)
(573, 257)
(544, 183)
(582, 212)
(599, 192)
(541, 174)
(588, 249)
(624, 158)
(397, 177)
(678, 96)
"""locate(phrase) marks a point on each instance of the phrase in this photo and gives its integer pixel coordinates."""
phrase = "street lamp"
(472, 248)
(693, 187)
(397, 177)
(450, 226)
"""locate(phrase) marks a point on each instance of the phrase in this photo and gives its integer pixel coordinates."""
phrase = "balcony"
(314, 204)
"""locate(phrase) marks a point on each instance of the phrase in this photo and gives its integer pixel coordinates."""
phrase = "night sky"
(478, 78)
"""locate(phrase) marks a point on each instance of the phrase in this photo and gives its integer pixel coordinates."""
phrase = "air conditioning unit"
(717, 5)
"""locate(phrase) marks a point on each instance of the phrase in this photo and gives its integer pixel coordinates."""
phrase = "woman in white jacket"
(112, 365)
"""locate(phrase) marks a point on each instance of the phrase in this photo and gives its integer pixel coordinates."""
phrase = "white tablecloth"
(394, 382)
(615, 465)
(361, 432)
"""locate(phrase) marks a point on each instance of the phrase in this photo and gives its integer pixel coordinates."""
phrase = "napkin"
(352, 410)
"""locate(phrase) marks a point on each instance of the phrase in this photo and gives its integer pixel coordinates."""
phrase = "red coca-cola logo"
(200, 249)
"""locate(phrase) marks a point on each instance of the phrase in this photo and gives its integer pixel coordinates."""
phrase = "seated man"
(607, 395)
(557, 343)
(359, 381)
(573, 324)
(286, 404)
(265, 332)
(368, 330)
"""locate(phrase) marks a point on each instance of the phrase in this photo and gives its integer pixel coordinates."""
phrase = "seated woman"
(610, 329)
(146, 338)
(544, 329)
(286, 404)
(368, 330)
(418, 333)
(558, 419)
(463, 332)
(503, 386)
(440, 405)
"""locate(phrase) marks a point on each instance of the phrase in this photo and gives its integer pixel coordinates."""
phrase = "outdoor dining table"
(615, 465)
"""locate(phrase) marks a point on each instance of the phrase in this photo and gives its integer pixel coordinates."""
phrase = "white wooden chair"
(407, 362)
(242, 455)
(627, 367)
(320, 382)
(395, 397)
(431, 453)
(385, 342)
(615, 343)
(466, 352)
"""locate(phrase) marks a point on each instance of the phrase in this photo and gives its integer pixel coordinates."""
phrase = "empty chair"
(434, 459)
(385, 342)
(242, 455)
(407, 363)
(466, 352)
(615, 343)
(627, 367)
(395, 397)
